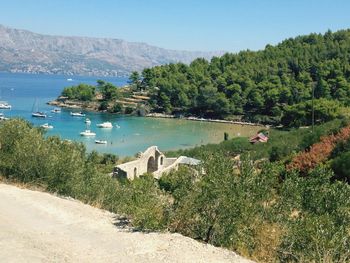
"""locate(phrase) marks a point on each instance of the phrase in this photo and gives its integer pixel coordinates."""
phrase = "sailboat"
(36, 113)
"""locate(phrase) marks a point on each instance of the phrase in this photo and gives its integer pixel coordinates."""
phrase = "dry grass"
(34, 187)
(268, 240)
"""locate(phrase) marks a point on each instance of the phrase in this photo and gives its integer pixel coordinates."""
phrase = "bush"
(220, 206)
(341, 167)
(117, 108)
(128, 110)
(278, 152)
(145, 204)
(103, 106)
(316, 218)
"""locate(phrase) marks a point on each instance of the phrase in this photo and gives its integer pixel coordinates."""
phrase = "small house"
(260, 137)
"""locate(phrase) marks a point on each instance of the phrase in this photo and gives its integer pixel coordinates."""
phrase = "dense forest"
(277, 203)
(271, 86)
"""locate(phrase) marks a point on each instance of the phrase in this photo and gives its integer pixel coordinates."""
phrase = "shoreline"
(192, 118)
(78, 105)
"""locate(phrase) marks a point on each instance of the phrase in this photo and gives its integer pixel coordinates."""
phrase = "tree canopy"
(260, 85)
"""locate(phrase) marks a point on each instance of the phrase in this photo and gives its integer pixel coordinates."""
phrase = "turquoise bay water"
(135, 133)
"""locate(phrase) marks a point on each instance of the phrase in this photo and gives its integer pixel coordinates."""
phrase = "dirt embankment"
(39, 227)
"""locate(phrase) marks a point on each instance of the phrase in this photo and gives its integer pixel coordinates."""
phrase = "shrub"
(117, 108)
(316, 218)
(319, 152)
(128, 110)
(341, 166)
(103, 106)
(144, 202)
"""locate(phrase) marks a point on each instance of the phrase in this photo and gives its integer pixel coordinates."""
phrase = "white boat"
(35, 111)
(117, 126)
(87, 121)
(87, 133)
(69, 79)
(106, 124)
(77, 114)
(46, 126)
(100, 142)
(2, 117)
(5, 105)
(39, 114)
(56, 110)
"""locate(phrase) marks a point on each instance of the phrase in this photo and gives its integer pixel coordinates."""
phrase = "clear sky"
(229, 25)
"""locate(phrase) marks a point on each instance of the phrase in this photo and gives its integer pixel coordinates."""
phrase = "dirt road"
(40, 227)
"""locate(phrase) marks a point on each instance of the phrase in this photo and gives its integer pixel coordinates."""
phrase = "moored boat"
(87, 133)
(39, 114)
(2, 117)
(46, 126)
(106, 124)
(100, 142)
(56, 110)
(77, 114)
(35, 111)
(5, 105)
(87, 121)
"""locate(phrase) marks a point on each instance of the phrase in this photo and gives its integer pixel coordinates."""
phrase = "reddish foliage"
(319, 152)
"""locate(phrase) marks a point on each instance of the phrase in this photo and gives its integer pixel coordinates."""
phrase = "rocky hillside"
(25, 51)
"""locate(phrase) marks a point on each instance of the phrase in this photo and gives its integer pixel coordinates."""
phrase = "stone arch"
(151, 165)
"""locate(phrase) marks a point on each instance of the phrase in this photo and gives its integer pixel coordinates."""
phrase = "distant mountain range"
(25, 51)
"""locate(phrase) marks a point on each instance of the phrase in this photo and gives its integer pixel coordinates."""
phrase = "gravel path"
(40, 227)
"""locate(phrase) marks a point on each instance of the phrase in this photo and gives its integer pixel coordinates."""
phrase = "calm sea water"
(135, 133)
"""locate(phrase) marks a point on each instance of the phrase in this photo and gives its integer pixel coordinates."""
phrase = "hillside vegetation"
(270, 86)
(105, 97)
(261, 209)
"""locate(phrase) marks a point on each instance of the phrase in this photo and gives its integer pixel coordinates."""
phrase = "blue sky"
(180, 24)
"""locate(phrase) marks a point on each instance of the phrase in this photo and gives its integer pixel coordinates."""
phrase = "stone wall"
(151, 161)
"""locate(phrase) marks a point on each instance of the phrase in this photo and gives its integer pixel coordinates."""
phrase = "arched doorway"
(135, 172)
(151, 165)
(161, 160)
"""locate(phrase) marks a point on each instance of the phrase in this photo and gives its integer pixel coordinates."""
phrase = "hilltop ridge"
(25, 51)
